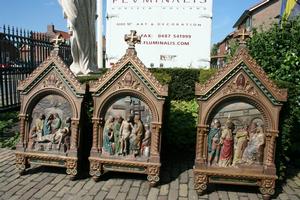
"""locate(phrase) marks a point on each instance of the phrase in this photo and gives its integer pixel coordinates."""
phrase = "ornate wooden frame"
(259, 91)
(142, 84)
(51, 77)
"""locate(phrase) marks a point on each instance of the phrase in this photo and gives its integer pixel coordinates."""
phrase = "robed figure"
(81, 16)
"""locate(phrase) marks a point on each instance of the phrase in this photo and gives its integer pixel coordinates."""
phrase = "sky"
(35, 15)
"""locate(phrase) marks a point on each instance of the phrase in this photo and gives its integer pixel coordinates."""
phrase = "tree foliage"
(278, 52)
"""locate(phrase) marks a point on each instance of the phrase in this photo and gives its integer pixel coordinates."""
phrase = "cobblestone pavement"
(177, 183)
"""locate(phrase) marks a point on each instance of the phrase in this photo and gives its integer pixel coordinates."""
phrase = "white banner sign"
(175, 33)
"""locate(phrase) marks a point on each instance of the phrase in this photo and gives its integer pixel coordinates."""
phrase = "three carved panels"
(238, 121)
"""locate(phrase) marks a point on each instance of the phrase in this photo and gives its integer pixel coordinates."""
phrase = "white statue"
(81, 16)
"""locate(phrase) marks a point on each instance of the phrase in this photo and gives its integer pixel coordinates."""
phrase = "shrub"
(277, 51)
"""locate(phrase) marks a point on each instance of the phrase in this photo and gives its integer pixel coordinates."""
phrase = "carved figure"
(81, 16)
(116, 131)
(47, 125)
(59, 137)
(125, 131)
(227, 145)
(56, 123)
(254, 150)
(241, 139)
(213, 142)
(108, 136)
(139, 132)
(145, 149)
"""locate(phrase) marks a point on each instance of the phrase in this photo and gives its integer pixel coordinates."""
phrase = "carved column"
(155, 137)
(23, 120)
(201, 132)
(96, 123)
(74, 132)
(100, 134)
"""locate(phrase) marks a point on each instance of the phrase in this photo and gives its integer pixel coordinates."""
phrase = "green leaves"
(278, 52)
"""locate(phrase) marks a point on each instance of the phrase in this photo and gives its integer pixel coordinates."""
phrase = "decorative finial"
(58, 40)
(243, 35)
(132, 39)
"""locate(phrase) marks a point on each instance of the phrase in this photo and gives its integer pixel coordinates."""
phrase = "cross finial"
(132, 39)
(243, 35)
(58, 40)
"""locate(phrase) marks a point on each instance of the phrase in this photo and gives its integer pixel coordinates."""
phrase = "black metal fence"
(20, 53)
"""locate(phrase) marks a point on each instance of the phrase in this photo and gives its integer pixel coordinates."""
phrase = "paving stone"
(174, 184)
(101, 195)
(121, 196)
(88, 185)
(26, 187)
(141, 198)
(58, 178)
(162, 198)
(253, 196)
(108, 185)
(183, 177)
(294, 197)
(173, 194)
(283, 196)
(97, 187)
(49, 195)
(223, 195)
(119, 182)
(10, 185)
(183, 190)
(288, 189)
(213, 196)
(153, 194)
(11, 192)
(233, 195)
(145, 188)
(77, 187)
(113, 192)
(136, 183)
(29, 194)
(183, 198)
(63, 191)
(164, 190)
(60, 185)
(193, 194)
(43, 191)
(126, 186)
(133, 193)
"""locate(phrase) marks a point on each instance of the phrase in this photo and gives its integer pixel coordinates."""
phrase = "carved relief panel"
(237, 126)
(127, 119)
(51, 99)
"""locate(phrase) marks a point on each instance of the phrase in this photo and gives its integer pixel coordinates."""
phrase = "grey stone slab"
(213, 196)
(192, 194)
(121, 196)
(29, 194)
(113, 192)
(58, 178)
(141, 198)
(183, 190)
(162, 198)
(153, 194)
(283, 196)
(88, 185)
(126, 185)
(49, 195)
(223, 195)
(144, 189)
(59, 185)
(136, 183)
(164, 190)
(77, 187)
(174, 184)
(108, 185)
(63, 191)
(183, 177)
(119, 182)
(11, 192)
(173, 194)
(288, 189)
(233, 195)
(43, 191)
(97, 187)
(133, 193)
(101, 195)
